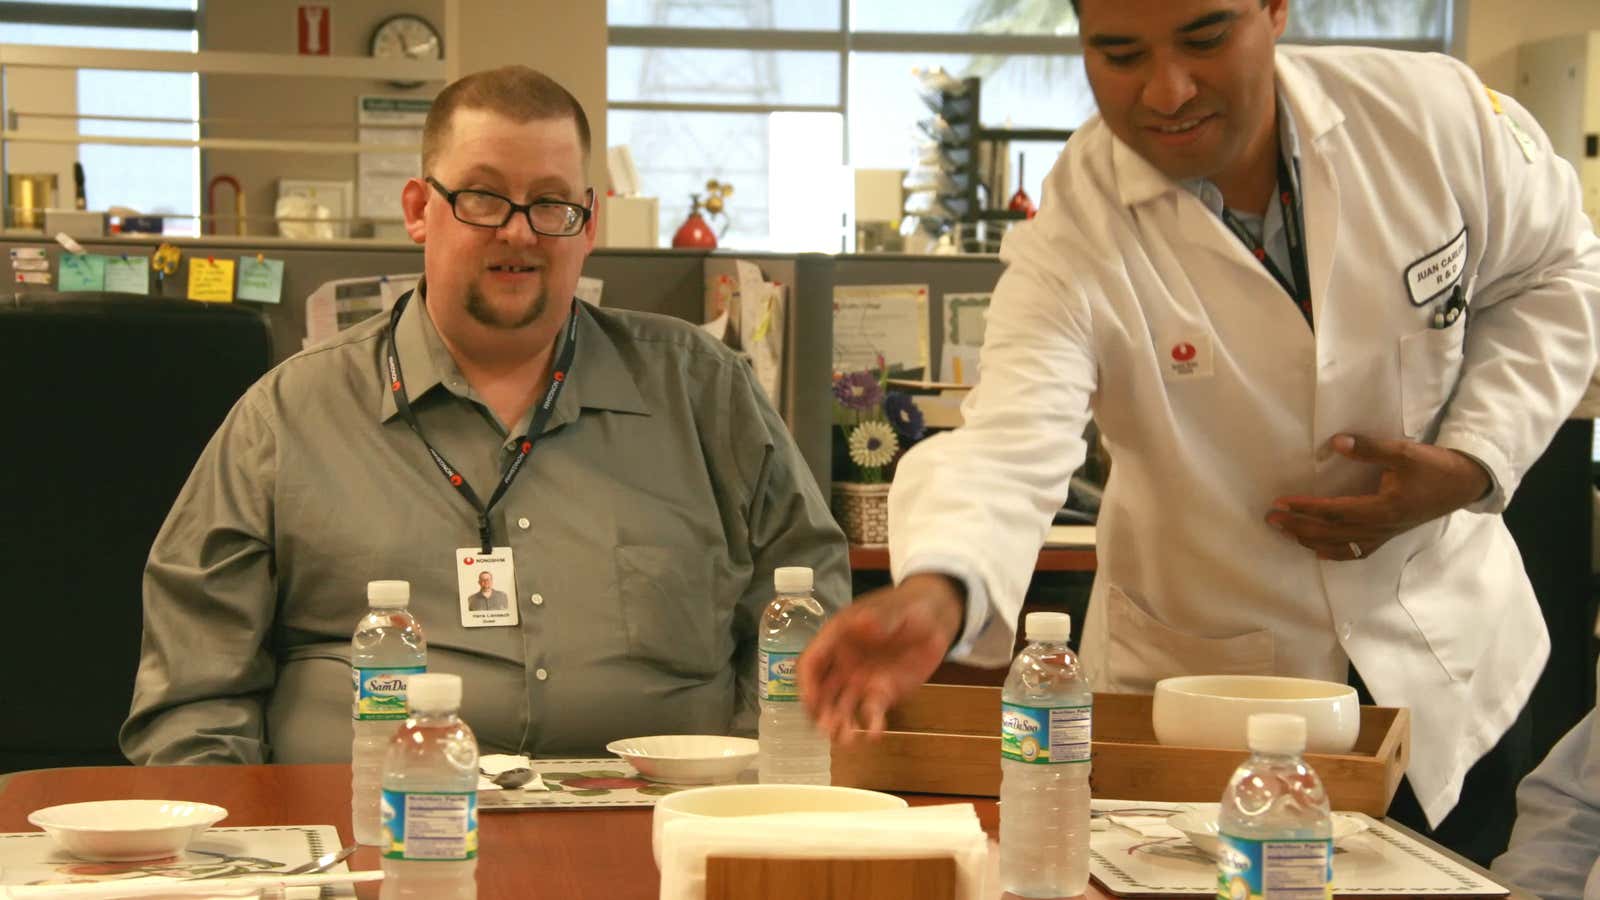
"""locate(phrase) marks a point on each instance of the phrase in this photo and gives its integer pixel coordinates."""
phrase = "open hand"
(877, 650)
(1420, 483)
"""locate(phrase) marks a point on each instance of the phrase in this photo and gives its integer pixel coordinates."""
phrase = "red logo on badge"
(455, 480)
(526, 446)
(467, 561)
(395, 386)
(1183, 352)
(560, 376)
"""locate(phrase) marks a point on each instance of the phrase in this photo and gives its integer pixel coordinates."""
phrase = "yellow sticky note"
(211, 280)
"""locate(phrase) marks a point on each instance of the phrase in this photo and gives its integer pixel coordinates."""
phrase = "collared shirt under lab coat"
(1128, 298)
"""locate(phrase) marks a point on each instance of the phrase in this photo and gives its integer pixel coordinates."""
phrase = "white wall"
(1495, 28)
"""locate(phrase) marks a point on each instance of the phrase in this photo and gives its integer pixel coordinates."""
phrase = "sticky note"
(211, 280)
(128, 274)
(83, 272)
(261, 281)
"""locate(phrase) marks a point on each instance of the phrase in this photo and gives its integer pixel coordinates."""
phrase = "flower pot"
(862, 511)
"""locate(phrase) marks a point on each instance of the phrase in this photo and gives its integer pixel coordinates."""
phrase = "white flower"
(873, 444)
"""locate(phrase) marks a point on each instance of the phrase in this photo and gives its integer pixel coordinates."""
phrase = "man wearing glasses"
(623, 468)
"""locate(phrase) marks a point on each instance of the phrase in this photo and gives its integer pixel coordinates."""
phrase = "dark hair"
(516, 92)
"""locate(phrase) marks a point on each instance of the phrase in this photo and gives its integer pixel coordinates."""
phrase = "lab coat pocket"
(668, 601)
(1441, 590)
(1430, 361)
(1144, 650)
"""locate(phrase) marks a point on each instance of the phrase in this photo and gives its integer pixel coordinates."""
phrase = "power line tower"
(679, 152)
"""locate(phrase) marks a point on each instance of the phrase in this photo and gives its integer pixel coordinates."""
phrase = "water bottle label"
(1045, 734)
(381, 693)
(431, 826)
(1279, 870)
(775, 670)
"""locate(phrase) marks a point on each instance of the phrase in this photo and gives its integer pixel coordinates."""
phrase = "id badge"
(487, 584)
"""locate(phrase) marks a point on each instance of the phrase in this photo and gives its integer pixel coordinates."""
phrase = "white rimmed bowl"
(687, 758)
(728, 800)
(1200, 827)
(1213, 710)
(121, 830)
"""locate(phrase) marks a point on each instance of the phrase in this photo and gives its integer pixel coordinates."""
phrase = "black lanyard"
(558, 380)
(1294, 232)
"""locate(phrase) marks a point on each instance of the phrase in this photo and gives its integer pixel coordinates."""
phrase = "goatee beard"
(484, 314)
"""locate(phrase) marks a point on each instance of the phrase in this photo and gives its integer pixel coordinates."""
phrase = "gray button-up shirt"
(645, 527)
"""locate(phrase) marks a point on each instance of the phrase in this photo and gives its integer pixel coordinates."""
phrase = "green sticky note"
(261, 281)
(82, 272)
(128, 274)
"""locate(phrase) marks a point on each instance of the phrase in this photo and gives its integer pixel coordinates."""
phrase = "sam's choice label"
(433, 826)
(1044, 734)
(381, 693)
(775, 672)
(1274, 870)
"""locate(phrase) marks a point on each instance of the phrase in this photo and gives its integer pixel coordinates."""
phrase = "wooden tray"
(945, 739)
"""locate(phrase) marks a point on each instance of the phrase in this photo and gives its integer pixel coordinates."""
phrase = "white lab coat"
(1128, 298)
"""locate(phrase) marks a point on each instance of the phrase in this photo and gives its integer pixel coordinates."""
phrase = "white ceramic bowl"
(687, 758)
(118, 830)
(762, 799)
(1212, 710)
(1200, 827)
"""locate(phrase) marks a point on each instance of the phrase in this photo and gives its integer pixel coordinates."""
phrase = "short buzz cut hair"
(519, 93)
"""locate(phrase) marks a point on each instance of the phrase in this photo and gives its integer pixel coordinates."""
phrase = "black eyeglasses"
(552, 218)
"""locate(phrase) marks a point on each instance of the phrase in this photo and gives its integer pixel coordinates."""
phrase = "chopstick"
(118, 890)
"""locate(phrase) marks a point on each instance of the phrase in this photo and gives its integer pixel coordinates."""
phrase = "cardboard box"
(945, 739)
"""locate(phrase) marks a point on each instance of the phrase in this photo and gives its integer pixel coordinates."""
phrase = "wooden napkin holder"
(945, 739)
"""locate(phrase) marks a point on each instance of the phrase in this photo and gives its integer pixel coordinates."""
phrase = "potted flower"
(873, 427)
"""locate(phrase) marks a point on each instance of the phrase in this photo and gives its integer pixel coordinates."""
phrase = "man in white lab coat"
(1312, 439)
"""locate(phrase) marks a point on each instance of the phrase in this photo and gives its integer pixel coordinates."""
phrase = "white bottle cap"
(792, 579)
(433, 692)
(1047, 626)
(1276, 733)
(389, 593)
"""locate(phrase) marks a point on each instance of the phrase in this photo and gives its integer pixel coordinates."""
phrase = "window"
(692, 83)
(148, 179)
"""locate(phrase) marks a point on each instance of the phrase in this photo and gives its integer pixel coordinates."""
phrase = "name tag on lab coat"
(1189, 357)
(1437, 272)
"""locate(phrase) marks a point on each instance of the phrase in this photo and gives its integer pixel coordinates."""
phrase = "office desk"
(572, 854)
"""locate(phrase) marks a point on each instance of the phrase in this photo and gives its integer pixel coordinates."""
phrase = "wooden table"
(568, 853)
(875, 557)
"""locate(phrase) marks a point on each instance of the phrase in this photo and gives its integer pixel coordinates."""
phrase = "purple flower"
(905, 417)
(858, 391)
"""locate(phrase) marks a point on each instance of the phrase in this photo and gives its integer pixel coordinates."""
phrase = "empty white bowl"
(1200, 827)
(687, 758)
(760, 800)
(1212, 710)
(120, 830)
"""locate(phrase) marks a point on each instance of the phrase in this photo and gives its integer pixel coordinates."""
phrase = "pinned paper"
(260, 279)
(83, 272)
(211, 279)
(128, 274)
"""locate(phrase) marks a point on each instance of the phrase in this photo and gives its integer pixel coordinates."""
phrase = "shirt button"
(1345, 631)
(537, 599)
(540, 674)
(524, 524)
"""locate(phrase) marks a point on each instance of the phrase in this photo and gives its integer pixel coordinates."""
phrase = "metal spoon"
(324, 862)
(511, 779)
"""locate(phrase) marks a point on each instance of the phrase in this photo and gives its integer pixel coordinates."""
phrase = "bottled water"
(1046, 706)
(1275, 831)
(430, 798)
(792, 750)
(386, 650)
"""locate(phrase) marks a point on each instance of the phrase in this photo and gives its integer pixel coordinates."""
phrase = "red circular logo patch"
(467, 561)
(560, 376)
(455, 480)
(526, 446)
(1183, 352)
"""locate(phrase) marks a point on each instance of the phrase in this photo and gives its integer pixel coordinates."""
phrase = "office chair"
(111, 399)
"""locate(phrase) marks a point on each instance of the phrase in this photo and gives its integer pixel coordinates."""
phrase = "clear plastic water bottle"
(386, 650)
(1045, 713)
(430, 798)
(792, 750)
(1275, 831)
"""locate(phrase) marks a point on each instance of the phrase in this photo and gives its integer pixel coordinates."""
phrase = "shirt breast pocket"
(1430, 363)
(672, 613)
